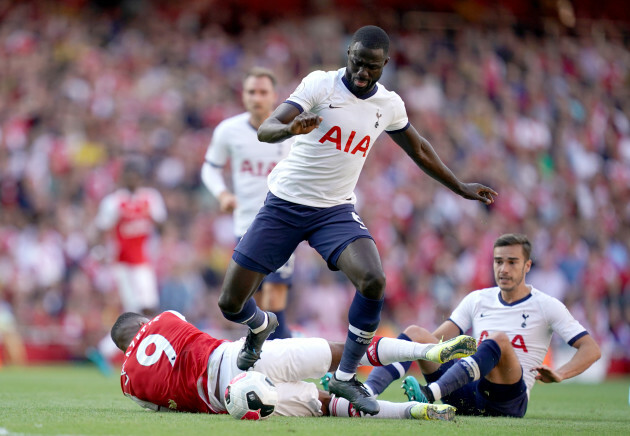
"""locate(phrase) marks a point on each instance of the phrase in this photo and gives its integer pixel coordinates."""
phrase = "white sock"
(344, 376)
(390, 350)
(389, 410)
(263, 326)
(108, 348)
(437, 392)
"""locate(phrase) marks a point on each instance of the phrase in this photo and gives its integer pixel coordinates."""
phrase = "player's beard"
(516, 282)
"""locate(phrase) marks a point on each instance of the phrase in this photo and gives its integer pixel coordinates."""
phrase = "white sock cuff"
(435, 389)
(472, 364)
(263, 326)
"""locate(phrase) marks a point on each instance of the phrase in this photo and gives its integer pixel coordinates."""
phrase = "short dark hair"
(262, 72)
(125, 327)
(372, 37)
(510, 239)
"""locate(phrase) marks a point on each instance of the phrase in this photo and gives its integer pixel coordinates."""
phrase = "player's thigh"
(298, 399)
(271, 239)
(294, 359)
(508, 369)
(337, 228)
(273, 296)
(124, 283)
(145, 283)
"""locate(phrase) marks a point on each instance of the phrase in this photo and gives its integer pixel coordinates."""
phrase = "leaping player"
(335, 116)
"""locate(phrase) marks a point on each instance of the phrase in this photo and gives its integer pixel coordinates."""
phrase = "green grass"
(72, 400)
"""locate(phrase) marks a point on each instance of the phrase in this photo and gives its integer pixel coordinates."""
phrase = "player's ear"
(528, 265)
(386, 61)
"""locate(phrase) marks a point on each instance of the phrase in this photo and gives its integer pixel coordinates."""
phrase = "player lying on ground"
(514, 323)
(171, 365)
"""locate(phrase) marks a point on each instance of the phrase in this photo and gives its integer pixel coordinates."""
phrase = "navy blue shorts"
(283, 275)
(281, 225)
(484, 398)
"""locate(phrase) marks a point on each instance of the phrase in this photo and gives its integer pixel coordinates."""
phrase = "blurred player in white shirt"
(513, 323)
(236, 140)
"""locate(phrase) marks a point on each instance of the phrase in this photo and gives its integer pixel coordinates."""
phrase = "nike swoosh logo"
(334, 107)
(481, 315)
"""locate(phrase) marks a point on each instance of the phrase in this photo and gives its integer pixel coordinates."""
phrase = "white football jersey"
(529, 323)
(323, 167)
(235, 139)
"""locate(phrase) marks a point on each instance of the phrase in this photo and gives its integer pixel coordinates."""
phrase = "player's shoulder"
(390, 96)
(170, 313)
(147, 192)
(236, 121)
(492, 292)
(321, 75)
(544, 300)
(116, 196)
(320, 81)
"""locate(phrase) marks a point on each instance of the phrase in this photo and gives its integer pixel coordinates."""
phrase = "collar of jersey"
(505, 303)
(362, 97)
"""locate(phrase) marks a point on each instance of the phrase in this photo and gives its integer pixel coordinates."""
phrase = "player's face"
(365, 67)
(510, 267)
(259, 96)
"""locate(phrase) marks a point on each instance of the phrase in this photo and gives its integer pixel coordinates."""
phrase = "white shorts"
(137, 286)
(287, 362)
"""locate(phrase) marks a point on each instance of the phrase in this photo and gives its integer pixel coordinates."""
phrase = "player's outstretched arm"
(587, 353)
(423, 154)
(287, 121)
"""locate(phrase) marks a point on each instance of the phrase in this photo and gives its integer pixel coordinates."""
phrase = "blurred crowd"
(540, 114)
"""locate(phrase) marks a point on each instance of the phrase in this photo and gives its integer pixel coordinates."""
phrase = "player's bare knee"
(229, 304)
(501, 339)
(372, 285)
(419, 334)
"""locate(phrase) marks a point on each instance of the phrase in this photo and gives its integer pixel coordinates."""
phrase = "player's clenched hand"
(227, 202)
(476, 191)
(304, 123)
(546, 374)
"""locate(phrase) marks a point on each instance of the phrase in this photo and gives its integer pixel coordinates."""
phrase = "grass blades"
(78, 400)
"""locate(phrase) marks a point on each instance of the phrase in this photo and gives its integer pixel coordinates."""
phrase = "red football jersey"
(167, 365)
(132, 216)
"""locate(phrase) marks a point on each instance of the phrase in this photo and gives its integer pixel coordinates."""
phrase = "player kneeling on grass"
(514, 323)
(170, 365)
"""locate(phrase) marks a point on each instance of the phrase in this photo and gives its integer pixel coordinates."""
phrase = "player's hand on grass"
(304, 123)
(546, 374)
(479, 192)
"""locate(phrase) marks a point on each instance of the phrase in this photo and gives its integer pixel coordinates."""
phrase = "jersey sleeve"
(400, 121)
(311, 91)
(108, 213)
(463, 314)
(147, 405)
(218, 151)
(157, 207)
(562, 322)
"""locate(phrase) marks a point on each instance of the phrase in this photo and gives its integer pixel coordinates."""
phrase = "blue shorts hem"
(249, 263)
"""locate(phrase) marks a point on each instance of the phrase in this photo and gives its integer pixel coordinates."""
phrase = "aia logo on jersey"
(334, 136)
(257, 169)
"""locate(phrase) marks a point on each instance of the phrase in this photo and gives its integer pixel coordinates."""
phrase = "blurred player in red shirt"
(132, 214)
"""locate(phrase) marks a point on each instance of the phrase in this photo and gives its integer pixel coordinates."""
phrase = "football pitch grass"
(78, 400)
